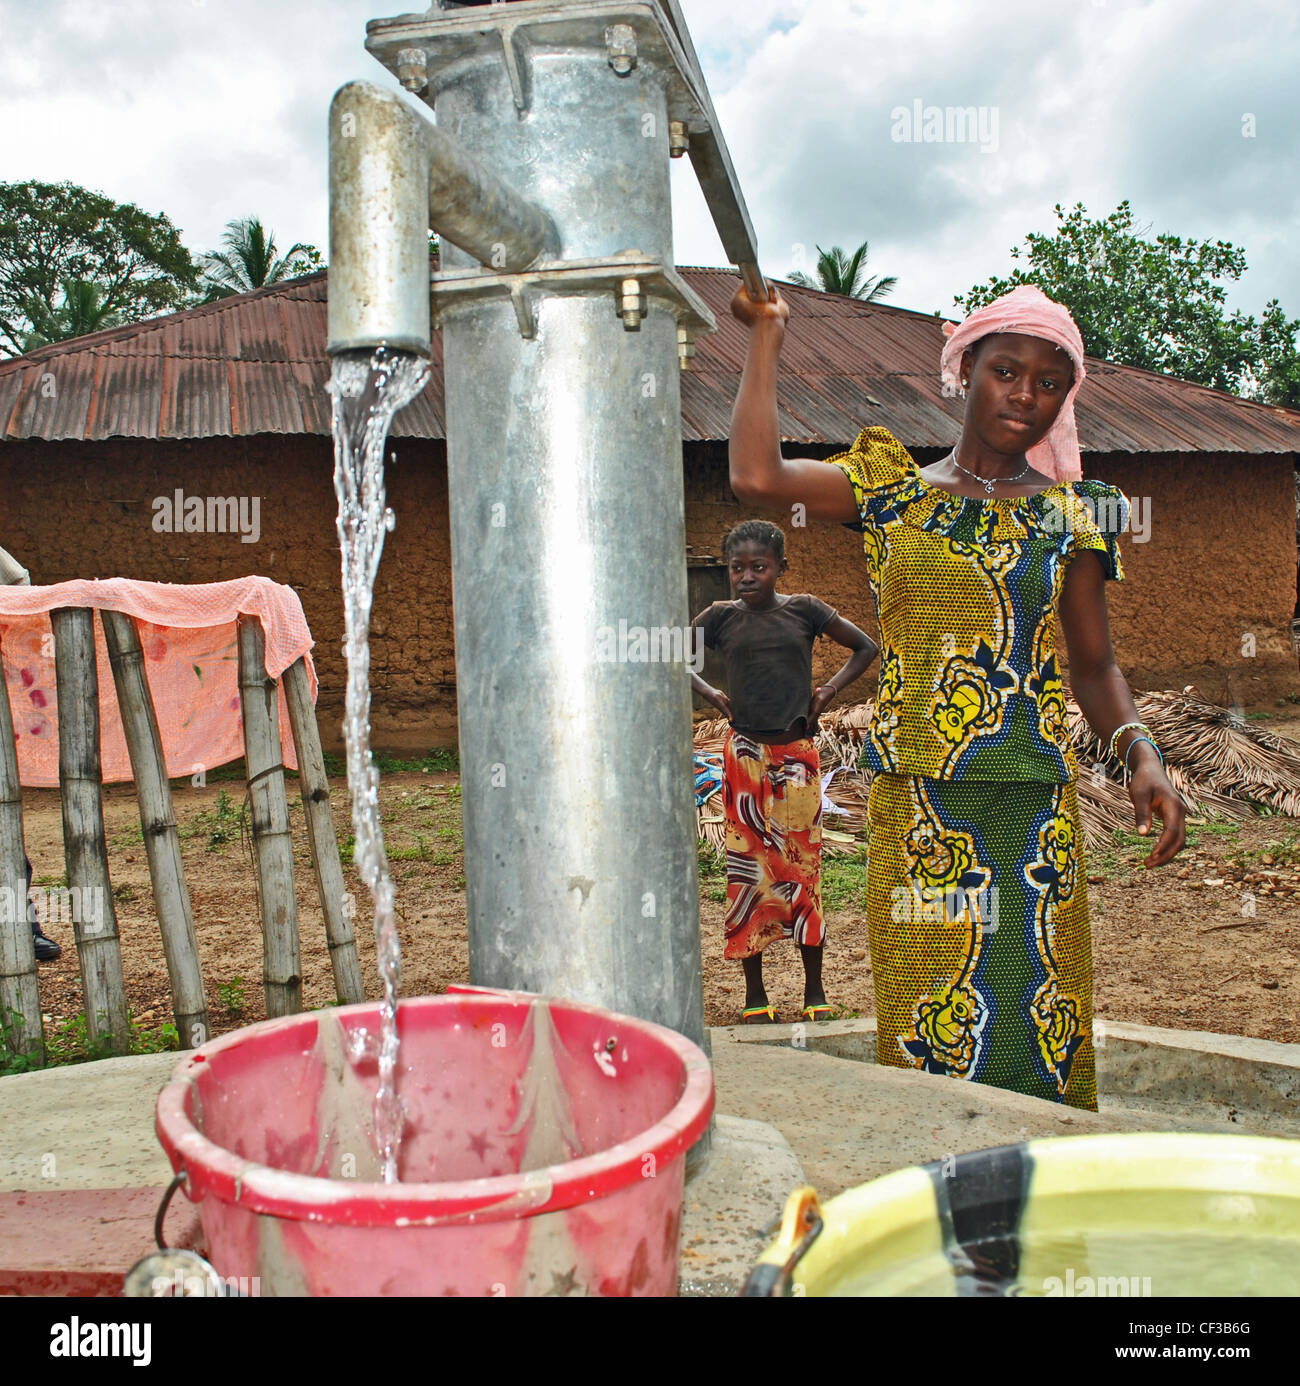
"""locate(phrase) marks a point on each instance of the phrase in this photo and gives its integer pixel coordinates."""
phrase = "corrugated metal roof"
(256, 364)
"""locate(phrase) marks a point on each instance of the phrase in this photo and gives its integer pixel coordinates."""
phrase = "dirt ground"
(1175, 947)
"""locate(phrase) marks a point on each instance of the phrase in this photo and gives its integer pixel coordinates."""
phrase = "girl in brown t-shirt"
(772, 789)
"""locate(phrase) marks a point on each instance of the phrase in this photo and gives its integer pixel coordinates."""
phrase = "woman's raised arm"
(760, 476)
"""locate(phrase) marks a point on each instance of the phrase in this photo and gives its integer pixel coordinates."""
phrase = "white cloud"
(1095, 103)
(214, 110)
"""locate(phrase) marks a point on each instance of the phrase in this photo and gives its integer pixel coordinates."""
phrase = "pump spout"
(393, 177)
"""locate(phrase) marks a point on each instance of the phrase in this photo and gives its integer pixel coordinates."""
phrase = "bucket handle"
(161, 1216)
(171, 1271)
(801, 1225)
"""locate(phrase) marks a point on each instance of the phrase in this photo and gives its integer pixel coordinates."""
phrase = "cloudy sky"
(214, 109)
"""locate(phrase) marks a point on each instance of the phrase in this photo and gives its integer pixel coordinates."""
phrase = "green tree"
(251, 260)
(838, 273)
(53, 234)
(1156, 303)
(1278, 374)
(82, 311)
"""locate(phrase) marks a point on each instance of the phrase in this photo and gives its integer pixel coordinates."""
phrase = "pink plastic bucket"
(544, 1150)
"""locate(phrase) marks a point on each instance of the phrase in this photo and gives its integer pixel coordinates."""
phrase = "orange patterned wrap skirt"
(773, 801)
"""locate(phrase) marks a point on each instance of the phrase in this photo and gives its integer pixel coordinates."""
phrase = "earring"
(965, 383)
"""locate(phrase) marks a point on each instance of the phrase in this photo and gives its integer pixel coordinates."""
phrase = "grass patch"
(437, 760)
(1134, 846)
(438, 800)
(422, 851)
(417, 853)
(713, 873)
(220, 823)
(128, 837)
(844, 881)
(1285, 853)
(217, 775)
(69, 1042)
(231, 995)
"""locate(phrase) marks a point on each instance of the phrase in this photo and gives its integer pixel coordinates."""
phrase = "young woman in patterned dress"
(977, 887)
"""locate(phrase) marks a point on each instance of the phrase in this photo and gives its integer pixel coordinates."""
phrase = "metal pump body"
(564, 326)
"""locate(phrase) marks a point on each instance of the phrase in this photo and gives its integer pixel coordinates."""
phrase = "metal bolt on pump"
(631, 304)
(413, 70)
(620, 40)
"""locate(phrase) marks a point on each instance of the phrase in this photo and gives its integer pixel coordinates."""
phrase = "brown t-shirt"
(768, 655)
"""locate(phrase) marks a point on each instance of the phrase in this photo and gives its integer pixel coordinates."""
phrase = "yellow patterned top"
(966, 592)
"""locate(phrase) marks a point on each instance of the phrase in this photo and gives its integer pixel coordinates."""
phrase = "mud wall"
(1209, 585)
(1212, 578)
(86, 510)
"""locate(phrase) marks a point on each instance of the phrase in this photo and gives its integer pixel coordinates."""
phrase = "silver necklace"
(988, 483)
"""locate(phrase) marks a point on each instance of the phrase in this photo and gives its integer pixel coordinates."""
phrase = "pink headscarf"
(1029, 311)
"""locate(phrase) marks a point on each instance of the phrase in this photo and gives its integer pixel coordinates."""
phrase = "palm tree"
(251, 260)
(85, 308)
(838, 273)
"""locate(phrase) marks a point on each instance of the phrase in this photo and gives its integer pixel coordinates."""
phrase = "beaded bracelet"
(1133, 743)
(1127, 726)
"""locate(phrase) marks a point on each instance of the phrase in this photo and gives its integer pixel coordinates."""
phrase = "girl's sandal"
(819, 1012)
(758, 1015)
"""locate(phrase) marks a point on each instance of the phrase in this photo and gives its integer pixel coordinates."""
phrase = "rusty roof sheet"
(256, 363)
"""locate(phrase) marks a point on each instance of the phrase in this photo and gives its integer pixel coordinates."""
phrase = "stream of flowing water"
(367, 389)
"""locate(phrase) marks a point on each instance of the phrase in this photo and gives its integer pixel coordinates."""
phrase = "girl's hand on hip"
(719, 700)
(822, 698)
(1151, 792)
(744, 308)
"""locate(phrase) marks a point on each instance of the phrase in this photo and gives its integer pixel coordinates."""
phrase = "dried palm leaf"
(1219, 754)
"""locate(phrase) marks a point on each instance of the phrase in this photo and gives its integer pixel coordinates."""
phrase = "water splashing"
(367, 390)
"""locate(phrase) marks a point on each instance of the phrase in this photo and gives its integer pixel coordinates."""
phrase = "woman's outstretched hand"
(1151, 792)
(747, 311)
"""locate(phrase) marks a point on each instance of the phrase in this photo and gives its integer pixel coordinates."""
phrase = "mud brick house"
(227, 401)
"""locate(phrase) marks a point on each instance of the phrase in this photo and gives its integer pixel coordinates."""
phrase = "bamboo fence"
(86, 854)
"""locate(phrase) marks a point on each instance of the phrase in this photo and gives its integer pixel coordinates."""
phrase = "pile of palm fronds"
(1222, 765)
(1219, 762)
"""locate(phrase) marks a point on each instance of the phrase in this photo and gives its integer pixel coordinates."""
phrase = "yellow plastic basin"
(1111, 1215)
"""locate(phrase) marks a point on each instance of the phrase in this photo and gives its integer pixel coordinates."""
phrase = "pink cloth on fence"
(1028, 311)
(191, 659)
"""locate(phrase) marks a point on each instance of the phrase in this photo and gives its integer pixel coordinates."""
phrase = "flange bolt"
(620, 40)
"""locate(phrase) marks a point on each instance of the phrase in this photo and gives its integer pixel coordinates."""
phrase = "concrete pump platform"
(82, 1173)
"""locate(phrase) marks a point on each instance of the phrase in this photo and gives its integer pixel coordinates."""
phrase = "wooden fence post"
(272, 840)
(158, 820)
(85, 852)
(20, 1002)
(320, 834)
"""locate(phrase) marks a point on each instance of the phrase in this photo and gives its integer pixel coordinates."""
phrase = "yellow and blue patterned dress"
(977, 889)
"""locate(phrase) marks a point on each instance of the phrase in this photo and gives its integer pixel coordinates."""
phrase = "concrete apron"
(81, 1171)
(1179, 1080)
